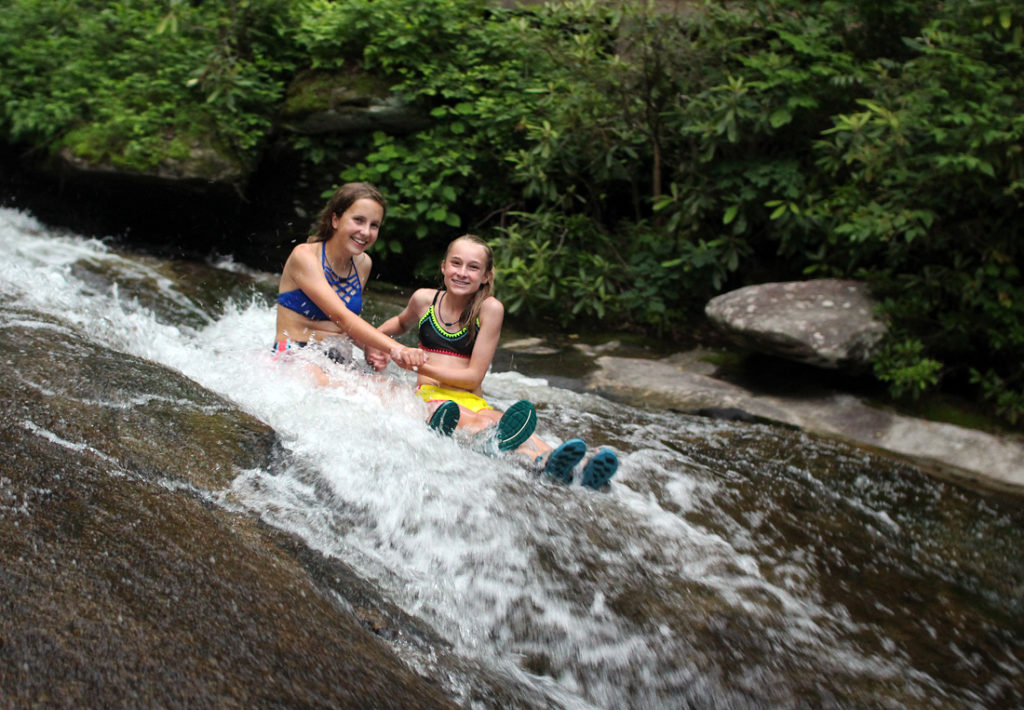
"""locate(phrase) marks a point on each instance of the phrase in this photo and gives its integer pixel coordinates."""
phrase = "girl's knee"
(475, 421)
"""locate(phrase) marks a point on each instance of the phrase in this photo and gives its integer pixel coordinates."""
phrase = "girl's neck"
(450, 308)
(338, 259)
(453, 301)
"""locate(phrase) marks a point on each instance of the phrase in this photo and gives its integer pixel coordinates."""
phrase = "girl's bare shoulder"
(492, 306)
(301, 264)
(423, 297)
(363, 261)
(419, 302)
(304, 251)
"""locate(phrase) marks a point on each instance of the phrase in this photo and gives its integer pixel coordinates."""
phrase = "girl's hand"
(377, 359)
(408, 358)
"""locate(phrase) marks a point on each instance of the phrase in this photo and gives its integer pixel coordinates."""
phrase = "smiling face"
(356, 228)
(466, 267)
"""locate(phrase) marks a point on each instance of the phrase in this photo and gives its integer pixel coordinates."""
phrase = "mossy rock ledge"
(202, 166)
(319, 102)
(347, 102)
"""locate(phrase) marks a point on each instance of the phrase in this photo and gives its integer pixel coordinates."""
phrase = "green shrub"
(926, 198)
(630, 160)
(465, 65)
(137, 84)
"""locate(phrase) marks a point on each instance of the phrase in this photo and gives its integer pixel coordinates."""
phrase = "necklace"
(330, 269)
(443, 294)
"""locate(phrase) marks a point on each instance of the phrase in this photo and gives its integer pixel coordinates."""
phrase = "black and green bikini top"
(435, 338)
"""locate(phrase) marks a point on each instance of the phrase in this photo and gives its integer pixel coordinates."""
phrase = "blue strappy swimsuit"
(349, 290)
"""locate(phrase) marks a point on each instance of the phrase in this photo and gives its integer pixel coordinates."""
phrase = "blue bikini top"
(349, 290)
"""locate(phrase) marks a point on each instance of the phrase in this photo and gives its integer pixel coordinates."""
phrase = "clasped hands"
(404, 357)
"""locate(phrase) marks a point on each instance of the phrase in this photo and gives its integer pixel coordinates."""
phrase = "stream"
(728, 564)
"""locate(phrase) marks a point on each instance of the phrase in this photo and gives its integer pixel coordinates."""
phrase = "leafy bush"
(629, 159)
(137, 85)
(927, 195)
(466, 65)
(794, 138)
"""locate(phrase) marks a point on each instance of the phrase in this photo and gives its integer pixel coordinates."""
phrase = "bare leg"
(478, 421)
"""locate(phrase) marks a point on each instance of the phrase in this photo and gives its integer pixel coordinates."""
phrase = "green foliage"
(879, 140)
(138, 84)
(466, 66)
(629, 159)
(543, 275)
(1008, 401)
(599, 141)
(904, 368)
(427, 202)
(694, 125)
(401, 37)
(926, 196)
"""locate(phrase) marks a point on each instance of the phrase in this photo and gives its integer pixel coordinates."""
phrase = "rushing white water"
(588, 598)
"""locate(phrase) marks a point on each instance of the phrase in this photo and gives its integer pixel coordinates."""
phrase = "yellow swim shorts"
(433, 393)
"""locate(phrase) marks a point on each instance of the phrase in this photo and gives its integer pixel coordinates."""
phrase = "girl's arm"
(492, 313)
(399, 324)
(410, 315)
(308, 276)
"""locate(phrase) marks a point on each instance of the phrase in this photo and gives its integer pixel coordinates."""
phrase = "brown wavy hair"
(343, 198)
(471, 313)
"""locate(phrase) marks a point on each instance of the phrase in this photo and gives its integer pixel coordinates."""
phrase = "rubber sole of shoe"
(445, 418)
(563, 460)
(516, 426)
(600, 469)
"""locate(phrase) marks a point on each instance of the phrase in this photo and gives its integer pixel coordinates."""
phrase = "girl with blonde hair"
(460, 325)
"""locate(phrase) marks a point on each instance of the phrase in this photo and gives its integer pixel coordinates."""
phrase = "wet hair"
(343, 198)
(471, 313)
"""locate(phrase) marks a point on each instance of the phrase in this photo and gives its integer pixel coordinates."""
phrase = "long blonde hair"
(471, 313)
(343, 198)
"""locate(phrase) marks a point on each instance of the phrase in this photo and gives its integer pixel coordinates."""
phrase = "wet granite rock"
(125, 582)
(687, 383)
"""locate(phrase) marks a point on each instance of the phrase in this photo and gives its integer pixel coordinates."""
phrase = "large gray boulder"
(824, 322)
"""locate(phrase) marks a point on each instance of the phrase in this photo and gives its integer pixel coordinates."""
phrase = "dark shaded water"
(729, 564)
